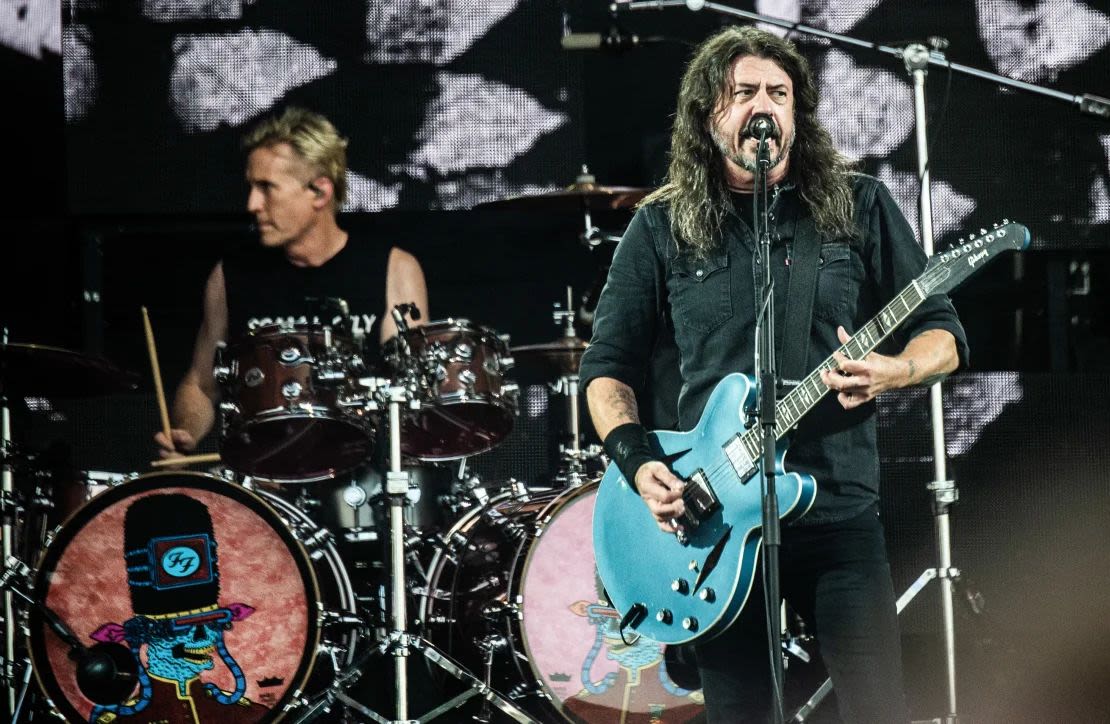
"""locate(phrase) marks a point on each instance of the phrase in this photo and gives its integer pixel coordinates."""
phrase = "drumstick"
(162, 411)
(187, 460)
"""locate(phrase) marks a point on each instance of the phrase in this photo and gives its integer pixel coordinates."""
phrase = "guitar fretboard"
(809, 391)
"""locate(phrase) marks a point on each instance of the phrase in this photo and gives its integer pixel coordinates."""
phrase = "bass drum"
(220, 597)
(517, 587)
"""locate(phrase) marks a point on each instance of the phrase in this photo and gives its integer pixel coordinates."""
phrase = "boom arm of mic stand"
(1086, 103)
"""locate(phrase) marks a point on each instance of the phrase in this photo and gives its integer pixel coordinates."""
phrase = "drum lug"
(221, 374)
(441, 621)
(328, 618)
(435, 594)
(479, 493)
(497, 611)
(504, 365)
(519, 490)
(316, 542)
(291, 356)
(253, 377)
(291, 390)
(492, 643)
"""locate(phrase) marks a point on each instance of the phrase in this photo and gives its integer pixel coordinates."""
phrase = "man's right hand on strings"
(661, 490)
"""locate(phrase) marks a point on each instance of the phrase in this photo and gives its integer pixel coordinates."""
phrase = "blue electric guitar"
(675, 588)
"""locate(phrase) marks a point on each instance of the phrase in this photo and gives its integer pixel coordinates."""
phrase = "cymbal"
(38, 370)
(576, 197)
(557, 358)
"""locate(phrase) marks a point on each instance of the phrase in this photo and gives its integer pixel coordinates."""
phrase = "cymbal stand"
(16, 571)
(572, 469)
(398, 640)
(8, 513)
(394, 394)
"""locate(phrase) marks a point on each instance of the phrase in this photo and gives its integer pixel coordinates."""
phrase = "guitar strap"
(793, 342)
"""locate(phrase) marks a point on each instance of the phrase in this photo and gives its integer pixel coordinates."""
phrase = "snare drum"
(293, 410)
(221, 596)
(518, 579)
(468, 408)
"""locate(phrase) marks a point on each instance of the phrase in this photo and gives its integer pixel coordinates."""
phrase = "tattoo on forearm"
(623, 403)
(913, 370)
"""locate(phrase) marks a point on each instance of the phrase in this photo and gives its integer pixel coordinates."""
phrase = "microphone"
(615, 41)
(761, 125)
(106, 673)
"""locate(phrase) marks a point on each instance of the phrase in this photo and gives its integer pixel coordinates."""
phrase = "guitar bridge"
(698, 499)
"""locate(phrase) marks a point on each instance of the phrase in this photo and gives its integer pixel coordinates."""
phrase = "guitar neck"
(803, 398)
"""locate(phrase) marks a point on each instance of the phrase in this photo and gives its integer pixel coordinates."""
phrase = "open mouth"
(194, 656)
(744, 136)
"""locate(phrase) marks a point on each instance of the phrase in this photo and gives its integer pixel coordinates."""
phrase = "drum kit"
(340, 560)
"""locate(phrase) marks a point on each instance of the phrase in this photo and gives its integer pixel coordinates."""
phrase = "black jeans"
(836, 577)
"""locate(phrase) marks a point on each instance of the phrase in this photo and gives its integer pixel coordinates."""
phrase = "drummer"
(296, 173)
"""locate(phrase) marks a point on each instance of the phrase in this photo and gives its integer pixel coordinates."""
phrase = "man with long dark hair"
(690, 254)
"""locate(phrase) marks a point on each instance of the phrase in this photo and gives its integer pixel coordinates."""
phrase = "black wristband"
(628, 447)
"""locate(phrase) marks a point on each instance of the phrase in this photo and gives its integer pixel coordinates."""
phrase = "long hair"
(696, 189)
(313, 139)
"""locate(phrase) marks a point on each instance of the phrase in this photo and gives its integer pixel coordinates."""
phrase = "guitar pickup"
(698, 499)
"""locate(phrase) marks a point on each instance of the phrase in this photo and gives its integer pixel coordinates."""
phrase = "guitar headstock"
(947, 269)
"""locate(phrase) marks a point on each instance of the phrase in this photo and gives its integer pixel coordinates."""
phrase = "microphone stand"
(916, 58)
(766, 373)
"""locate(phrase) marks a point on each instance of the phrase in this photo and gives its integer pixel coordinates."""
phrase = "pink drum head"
(197, 579)
(571, 634)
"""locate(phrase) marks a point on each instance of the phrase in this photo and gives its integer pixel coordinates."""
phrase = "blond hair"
(313, 139)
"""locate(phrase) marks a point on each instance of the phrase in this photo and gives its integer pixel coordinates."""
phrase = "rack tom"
(293, 410)
(468, 406)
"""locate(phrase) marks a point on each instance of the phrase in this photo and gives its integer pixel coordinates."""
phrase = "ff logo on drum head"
(181, 561)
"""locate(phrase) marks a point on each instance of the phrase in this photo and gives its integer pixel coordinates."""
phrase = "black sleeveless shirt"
(263, 288)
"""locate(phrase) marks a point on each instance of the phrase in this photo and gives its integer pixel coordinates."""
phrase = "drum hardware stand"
(15, 571)
(7, 528)
(572, 470)
(398, 640)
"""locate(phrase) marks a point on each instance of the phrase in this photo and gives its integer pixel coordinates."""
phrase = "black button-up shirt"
(712, 301)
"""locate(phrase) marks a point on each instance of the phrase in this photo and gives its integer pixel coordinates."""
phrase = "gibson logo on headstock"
(975, 258)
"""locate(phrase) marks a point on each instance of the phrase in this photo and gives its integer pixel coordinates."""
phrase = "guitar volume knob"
(690, 623)
(707, 595)
(679, 585)
(663, 616)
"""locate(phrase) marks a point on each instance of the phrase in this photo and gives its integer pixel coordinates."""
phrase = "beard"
(747, 161)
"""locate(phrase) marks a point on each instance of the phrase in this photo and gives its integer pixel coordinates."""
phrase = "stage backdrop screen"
(449, 103)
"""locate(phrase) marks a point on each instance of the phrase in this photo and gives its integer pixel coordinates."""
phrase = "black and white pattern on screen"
(449, 103)
(446, 103)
